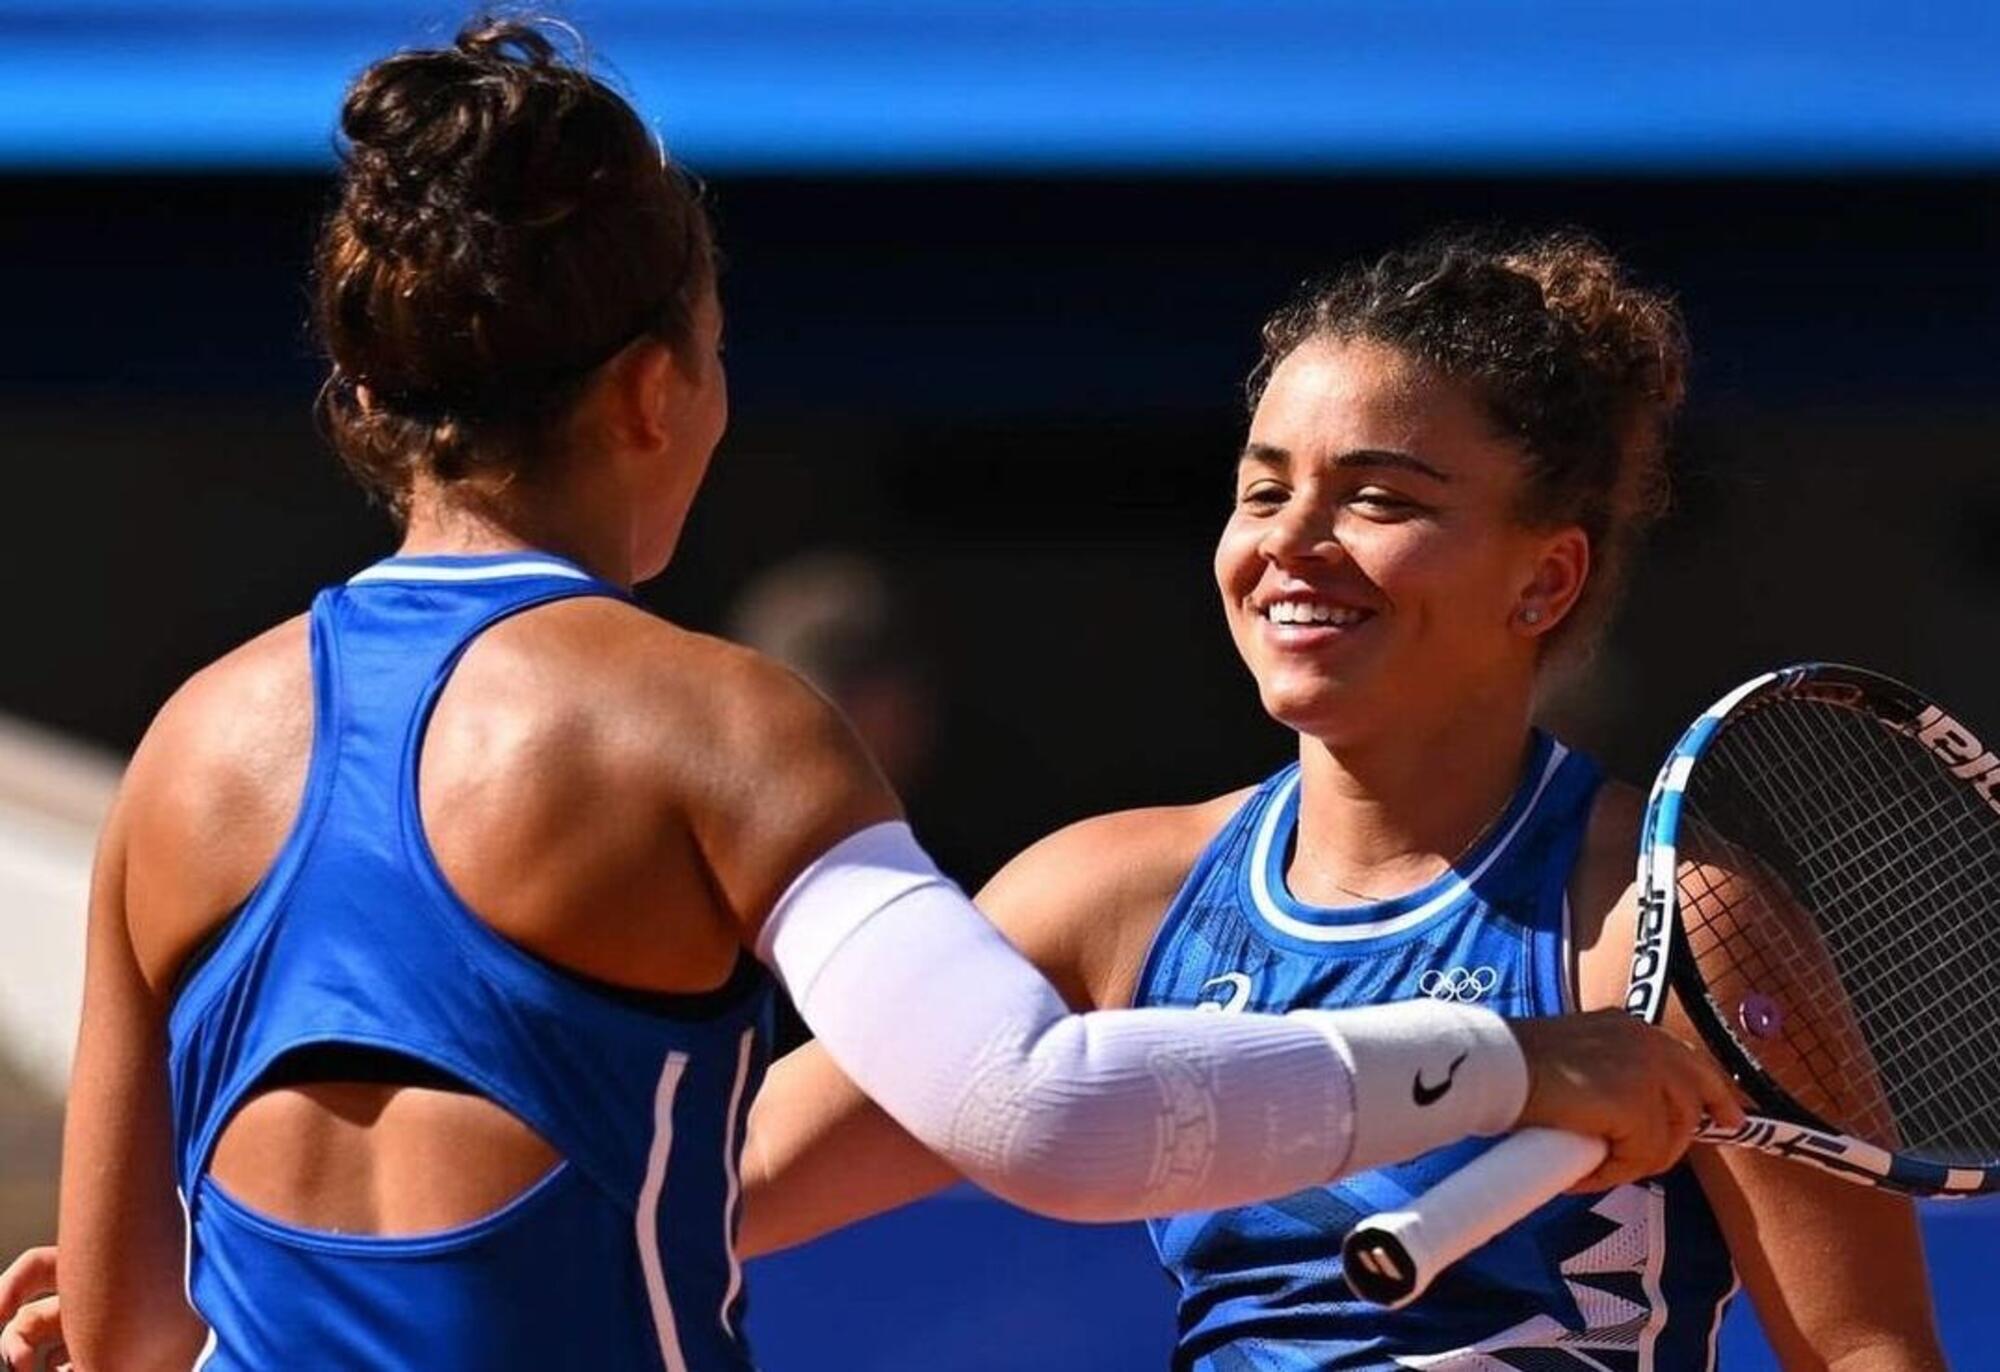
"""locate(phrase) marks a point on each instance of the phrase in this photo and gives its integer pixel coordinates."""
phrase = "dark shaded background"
(1023, 396)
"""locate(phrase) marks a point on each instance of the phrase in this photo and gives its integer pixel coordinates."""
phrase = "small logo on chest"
(1462, 984)
(1237, 986)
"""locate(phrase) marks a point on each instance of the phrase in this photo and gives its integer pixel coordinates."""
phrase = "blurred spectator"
(834, 618)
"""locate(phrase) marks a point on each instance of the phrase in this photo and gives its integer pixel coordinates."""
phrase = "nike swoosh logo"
(1424, 1094)
(1239, 992)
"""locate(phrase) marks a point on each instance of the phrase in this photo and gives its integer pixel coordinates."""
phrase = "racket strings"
(1872, 958)
(1875, 963)
(1735, 963)
(1868, 917)
(1874, 871)
(1954, 885)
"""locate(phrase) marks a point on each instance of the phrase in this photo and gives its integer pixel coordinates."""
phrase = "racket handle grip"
(1390, 1258)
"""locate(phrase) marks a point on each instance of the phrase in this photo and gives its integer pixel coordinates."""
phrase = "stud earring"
(1531, 616)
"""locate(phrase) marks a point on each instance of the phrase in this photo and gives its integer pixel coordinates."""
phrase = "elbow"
(1052, 1152)
(1906, 1352)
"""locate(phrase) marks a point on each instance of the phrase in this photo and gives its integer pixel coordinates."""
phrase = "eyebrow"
(1274, 456)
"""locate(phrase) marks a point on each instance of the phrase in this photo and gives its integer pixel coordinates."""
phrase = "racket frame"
(1782, 1126)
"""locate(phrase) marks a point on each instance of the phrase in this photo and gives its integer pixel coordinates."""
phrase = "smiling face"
(1373, 571)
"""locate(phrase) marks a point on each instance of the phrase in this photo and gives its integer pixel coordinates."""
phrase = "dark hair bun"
(506, 223)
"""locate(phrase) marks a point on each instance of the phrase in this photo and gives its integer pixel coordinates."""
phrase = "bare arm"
(1835, 1270)
(122, 1234)
(819, 1155)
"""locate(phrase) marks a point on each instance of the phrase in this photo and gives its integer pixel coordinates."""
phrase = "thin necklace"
(1299, 849)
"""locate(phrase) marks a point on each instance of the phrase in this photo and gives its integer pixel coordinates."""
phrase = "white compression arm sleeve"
(1112, 1114)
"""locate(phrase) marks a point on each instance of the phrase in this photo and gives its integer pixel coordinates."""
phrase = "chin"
(1349, 702)
(1323, 711)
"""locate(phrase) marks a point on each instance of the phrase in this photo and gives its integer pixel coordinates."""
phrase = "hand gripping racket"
(1819, 878)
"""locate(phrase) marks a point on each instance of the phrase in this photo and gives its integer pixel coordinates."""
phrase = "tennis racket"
(1819, 881)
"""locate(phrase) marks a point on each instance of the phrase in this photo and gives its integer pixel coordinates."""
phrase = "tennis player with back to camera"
(1451, 455)
(432, 932)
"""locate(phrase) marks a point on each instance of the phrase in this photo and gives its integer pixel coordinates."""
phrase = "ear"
(1555, 581)
(642, 385)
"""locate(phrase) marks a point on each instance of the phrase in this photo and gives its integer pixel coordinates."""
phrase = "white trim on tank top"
(1267, 905)
(492, 571)
(735, 1181)
(646, 1219)
(187, 1279)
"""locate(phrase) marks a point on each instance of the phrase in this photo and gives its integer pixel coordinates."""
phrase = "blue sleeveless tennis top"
(1630, 1280)
(622, 1257)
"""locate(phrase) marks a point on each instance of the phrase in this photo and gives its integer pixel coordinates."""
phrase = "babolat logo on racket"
(1649, 953)
(1962, 754)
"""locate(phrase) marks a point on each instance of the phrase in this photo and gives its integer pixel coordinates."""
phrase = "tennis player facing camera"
(433, 932)
(1451, 454)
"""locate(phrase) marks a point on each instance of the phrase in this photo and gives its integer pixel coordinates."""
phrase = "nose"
(1299, 533)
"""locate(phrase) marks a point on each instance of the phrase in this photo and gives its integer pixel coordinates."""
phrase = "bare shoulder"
(235, 704)
(1144, 852)
(219, 774)
(701, 735)
(1602, 900)
(658, 685)
(233, 731)
(1084, 902)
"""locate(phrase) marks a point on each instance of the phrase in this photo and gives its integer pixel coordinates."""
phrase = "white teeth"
(1303, 612)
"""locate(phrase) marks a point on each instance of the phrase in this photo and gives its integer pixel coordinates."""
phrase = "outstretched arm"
(1110, 1114)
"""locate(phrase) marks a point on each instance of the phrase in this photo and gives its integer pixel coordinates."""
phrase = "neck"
(461, 518)
(1383, 816)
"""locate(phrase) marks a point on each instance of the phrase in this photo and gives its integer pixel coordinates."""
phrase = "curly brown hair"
(506, 224)
(1583, 367)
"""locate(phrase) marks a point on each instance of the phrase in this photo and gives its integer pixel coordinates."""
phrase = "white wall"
(54, 793)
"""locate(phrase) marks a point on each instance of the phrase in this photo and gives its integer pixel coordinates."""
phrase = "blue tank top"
(622, 1257)
(1630, 1280)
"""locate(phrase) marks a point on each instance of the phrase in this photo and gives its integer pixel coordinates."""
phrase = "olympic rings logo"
(1458, 983)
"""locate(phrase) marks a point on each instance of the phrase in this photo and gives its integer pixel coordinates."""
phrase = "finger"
(18, 1351)
(1720, 1100)
(39, 1323)
(1683, 1118)
(1612, 1172)
(1665, 1131)
(1629, 1156)
(30, 1275)
(1603, 1179)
